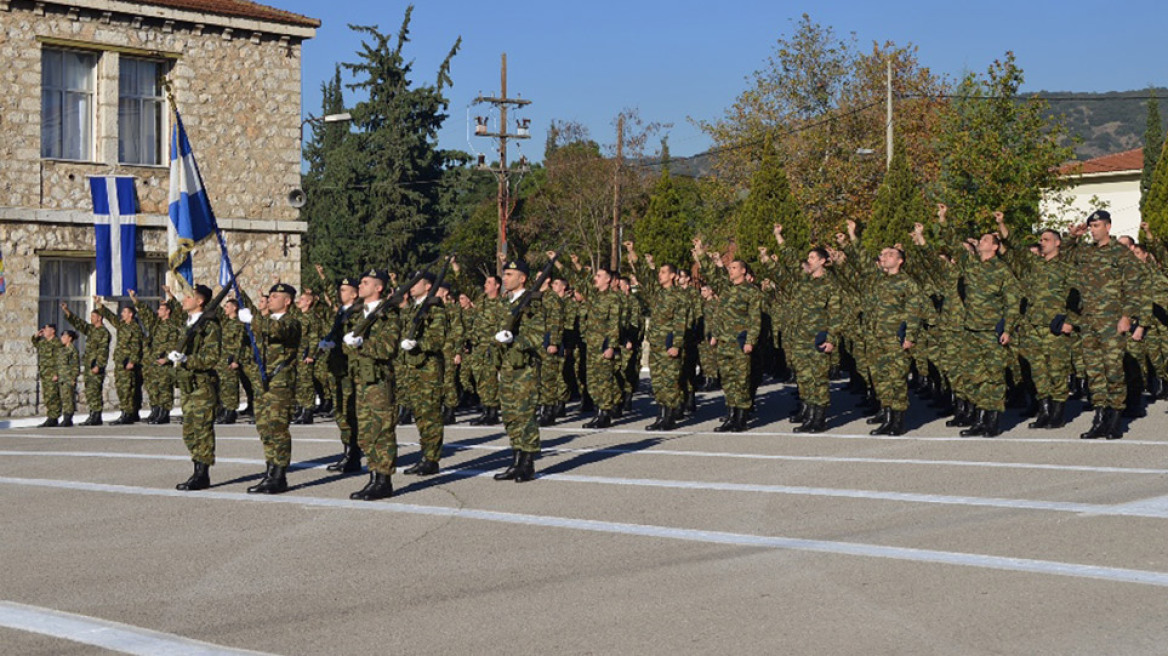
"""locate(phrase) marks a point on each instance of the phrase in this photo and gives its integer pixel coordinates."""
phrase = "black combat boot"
(728, 421)
(991, 423)
(880, 418)
(660, 419)
(448, 418)
(525, 468)
(259, 487)
(404, 416)
(895, 423)
(816, 420)
(1112, 424)
(800, 414)
(669, 421)
(51, 422)
(1097, 425)
(1058, 417)
(163, 415)
(359, 495)
(275, 481)
(962, 414)
(343, 461)
(603, 419)
(304, 418)
(561, 411)
(380, 487)
(493, 417)
(1043, 418)
(94, 419)
(153, 416)
(481, 419)
(885, 421)
(691, 403)
(422, 467)
(229, 417)
(977, 428)
(199, 480)
(67, 421)
(326, 409)
(627, 402)
(508, 474)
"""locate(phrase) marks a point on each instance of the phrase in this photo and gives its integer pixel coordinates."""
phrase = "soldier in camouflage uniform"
(127, 359)
(485, 352)
(371, 358)
(736, 332)
(551, 358)
(48, 347)
(197, 382)
(68, 369)
(422, 346)
(236, 349)
(451, 352)
(1046, 285)
(306, 311)
(669, 323)
(521, 337)
(163, 335)
(278, 336)
(344, 393)
(94, 360)
(1107, 279)
(601, 332)
(815, 334)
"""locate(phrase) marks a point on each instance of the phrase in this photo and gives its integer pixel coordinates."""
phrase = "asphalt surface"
(630, 542)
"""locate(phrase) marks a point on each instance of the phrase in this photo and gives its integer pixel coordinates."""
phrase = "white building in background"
(1113, 180)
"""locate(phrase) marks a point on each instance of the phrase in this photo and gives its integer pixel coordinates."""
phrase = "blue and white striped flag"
(115, 222)
(191, 217)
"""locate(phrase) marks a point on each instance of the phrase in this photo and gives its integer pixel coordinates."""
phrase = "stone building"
(80, 95)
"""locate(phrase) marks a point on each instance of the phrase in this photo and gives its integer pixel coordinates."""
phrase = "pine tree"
(899, 204)
(328, 227)
(1153, 144)
(769, 202)
(1155, 210)
(664, 231)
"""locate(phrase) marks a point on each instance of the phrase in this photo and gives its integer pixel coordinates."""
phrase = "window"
(72, 281)
(140, 111)
(67, 80)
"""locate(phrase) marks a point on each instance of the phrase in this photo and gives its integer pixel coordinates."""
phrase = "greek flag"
(115, 211)
(191, 217)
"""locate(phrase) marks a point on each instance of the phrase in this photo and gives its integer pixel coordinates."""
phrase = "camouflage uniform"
(199, 386)
(279, 342)
(96, 355)
(669, 322)
(891, 304)
(162, 337)
(344, 398)
(552, 389)
(484, 355)
(738, 323)
(48, 351)
(519, 374)
(236, 349)
(424, 365)
(372, 373)
(127, 351)
(312, 331)
(1048, 355)
(68, 368)
(991, 302)
(817, 309)
(600, 331)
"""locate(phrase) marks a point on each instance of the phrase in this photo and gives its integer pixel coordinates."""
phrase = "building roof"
(237, 8)
(1128, 160)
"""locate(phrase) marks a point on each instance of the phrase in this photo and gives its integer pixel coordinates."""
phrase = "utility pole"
(616, 192)
(502, 173)
(888, 126)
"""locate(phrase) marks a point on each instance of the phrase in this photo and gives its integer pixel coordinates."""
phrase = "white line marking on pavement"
(114, 636)
(1147, 508)
(980, 561)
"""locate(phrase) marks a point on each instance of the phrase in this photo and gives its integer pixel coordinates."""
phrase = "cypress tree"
(1155, 209)
(1153, 144)
(769, 202)
(899, 204)
(664, 231)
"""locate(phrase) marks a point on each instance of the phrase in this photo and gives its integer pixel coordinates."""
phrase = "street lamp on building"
(327, 118)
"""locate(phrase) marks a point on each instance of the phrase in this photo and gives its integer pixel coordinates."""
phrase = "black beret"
(283, 287)
(1099, 215)
(348, 282)
(377, 274)
(425, 275)
(517, 265)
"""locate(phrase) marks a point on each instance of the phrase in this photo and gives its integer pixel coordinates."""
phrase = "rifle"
(208, 313)
(362, 329)
(429, 300)
(518, 308)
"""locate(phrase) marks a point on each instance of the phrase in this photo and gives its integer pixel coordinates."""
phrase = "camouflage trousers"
(377, 424)
(94, 389)
(126, 382)
(707, 359)
(812, 371)
(735, 368)
(628, 370)
(665, 374)
(158, 379)
(345, 404)
(601, 380)
(888, 369)
(517, 393)
(552, 387)
(305, 394)
(67, 390)
(1049, 359)
(273, 411)
(1103, 352)
(449, 380)
(485, 368)
(51, 391)
(403, 383)
(229, 387)
(949, 356)
(324, 381)
(199, 401)
(983, 371)
(424, 392)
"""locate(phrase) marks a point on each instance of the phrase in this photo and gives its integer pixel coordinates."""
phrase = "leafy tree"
(1153, 144)
(998, 153)
(899, 204)
(383, 186)
(770, 201)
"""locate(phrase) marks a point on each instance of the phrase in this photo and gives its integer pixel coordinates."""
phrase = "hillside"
(1106, 122)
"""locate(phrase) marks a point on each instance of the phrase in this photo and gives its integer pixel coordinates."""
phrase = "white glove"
(176, 357)
(245, 315)
(504, 337)
(326, 345)
(409, 344)
(354, 340)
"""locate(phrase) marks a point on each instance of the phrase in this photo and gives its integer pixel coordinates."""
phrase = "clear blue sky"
(586, 61)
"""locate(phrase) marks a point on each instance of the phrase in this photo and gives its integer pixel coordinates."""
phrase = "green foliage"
(899, 204)
(1153, 144)
(769, 202)
(666, 228)
(998, 153)
(1155, 210)
(381, 187)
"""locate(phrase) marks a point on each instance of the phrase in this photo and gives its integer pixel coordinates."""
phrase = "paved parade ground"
(630, 542)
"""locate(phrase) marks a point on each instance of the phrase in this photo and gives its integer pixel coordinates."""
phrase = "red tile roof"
(238, 8)
(1128, 160)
